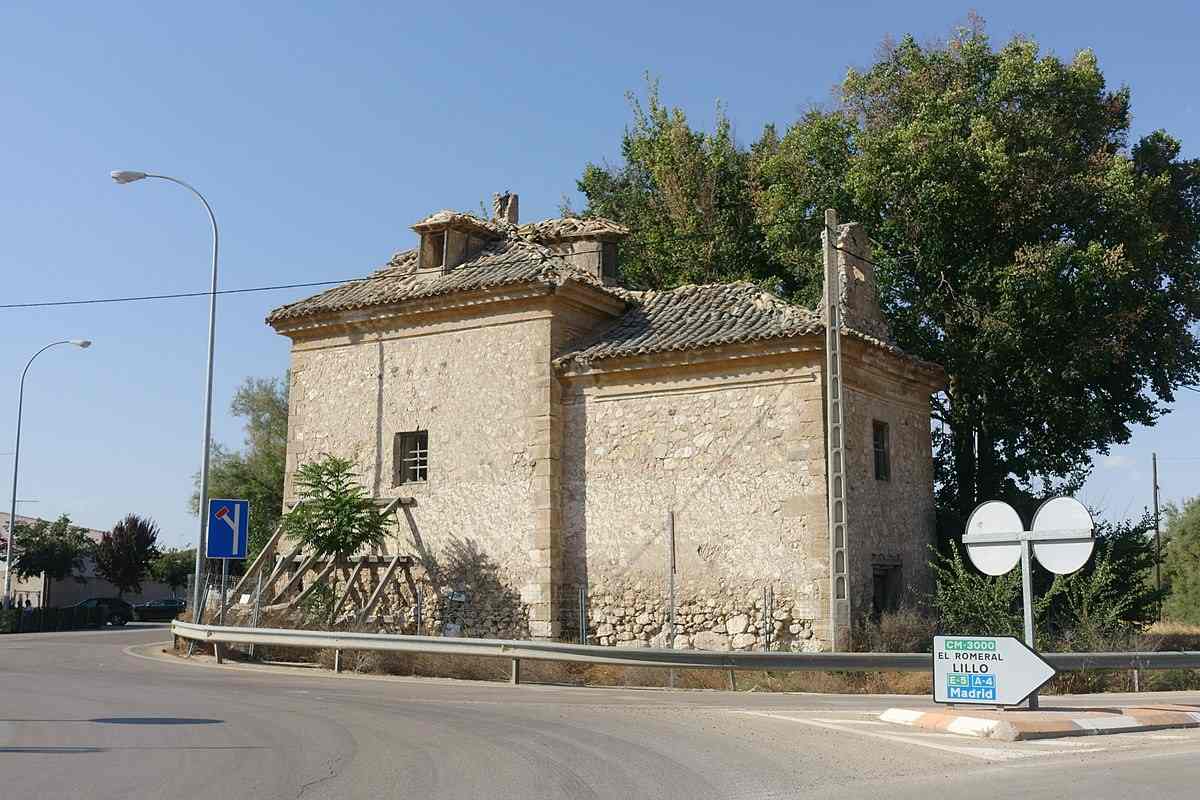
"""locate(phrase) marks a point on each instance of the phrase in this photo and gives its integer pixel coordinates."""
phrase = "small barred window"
(411, 457)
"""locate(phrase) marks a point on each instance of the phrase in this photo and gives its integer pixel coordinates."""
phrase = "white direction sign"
(1061, 540)
(986, 670)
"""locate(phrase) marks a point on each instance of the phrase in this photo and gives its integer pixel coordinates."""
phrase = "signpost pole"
(671, 588)
(1027, 602)
(224, 588)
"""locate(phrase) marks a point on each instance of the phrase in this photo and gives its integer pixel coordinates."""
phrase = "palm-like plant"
(335, 517)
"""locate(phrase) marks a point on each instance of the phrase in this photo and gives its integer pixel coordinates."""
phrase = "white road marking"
(981, 753)
(849, 721)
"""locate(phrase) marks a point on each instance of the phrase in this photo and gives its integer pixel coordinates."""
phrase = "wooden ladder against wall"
(835, 438)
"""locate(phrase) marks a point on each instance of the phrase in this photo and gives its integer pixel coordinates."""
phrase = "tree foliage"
(685, 197)
(1023, 242)
(254, 473)
(123, 556)
(173, 567)
(335, 516)
(1181, 562)
(1103, 603)
(57, 549)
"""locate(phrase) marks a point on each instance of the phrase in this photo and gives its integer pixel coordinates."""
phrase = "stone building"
(545, 421)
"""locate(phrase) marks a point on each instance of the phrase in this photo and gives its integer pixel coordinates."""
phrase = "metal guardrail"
(645, 656)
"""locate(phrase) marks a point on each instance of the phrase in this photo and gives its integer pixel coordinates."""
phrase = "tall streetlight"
(129, 176)
(12, 516)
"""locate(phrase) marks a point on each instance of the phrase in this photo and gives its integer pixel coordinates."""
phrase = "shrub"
(1182, 562)
(905, 630)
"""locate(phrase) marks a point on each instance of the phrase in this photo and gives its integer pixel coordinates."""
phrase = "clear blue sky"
(320, 134)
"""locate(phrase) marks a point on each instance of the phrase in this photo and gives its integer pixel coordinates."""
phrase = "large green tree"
(123, 555)
(255, 472)
(1024, 242)
(57, 549)
(1181, 563)
(685, 196)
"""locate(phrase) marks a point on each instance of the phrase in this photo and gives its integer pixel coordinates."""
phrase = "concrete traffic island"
(1046, 723)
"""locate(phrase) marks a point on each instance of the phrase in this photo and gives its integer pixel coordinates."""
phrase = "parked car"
(116, 610)
(159, 610)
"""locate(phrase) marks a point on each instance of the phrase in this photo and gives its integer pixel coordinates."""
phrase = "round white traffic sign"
(994, 518)
(1070, 524)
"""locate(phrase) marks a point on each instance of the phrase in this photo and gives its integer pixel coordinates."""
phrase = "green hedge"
(35, 620)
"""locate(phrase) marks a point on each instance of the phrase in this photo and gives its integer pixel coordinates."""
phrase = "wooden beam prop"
(261, 559)
(316, 582)
(294, 579)
(341, 601)
(378, 593)
(280, 567)
(408, 578)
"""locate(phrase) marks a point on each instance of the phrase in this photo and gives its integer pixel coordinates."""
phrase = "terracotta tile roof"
(448, 218)
(693, 317)
(687, 318)
(505, 262)
(557, 230)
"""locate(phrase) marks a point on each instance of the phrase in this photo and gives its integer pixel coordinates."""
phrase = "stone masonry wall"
(462, 382)
(889, 521)
(738, 457)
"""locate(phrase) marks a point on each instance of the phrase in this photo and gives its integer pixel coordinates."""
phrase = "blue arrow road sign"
(228, 528)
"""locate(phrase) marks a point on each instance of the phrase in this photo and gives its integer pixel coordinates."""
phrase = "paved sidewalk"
(1047, 723)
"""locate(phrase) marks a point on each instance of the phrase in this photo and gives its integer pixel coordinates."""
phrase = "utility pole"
(1157, 534)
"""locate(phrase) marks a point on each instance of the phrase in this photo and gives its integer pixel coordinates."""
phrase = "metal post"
(671, 590)
(256, 615)
(671, 573)
(1158, 537)
(417, 610)
(1027, 602)
(768, 616)
(515, 675)
(583, 615)
(10, 552)
(224, 589)
(129, 176)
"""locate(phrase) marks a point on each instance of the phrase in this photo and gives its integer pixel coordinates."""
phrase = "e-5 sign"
(986, 670)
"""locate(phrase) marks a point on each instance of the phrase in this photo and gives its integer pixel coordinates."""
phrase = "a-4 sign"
(986, 670)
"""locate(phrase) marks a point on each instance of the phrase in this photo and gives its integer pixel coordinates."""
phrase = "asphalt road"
(81, 717)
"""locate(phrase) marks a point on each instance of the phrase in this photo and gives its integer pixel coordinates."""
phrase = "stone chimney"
(504, 208)
(860, 296)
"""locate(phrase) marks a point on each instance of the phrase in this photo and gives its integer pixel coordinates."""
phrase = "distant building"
(545, 420)
(67, 592)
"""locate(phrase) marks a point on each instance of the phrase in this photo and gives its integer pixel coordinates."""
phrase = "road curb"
(1012, 726)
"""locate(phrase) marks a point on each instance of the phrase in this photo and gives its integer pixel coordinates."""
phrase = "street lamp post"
(129, 176)
(12, 516)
